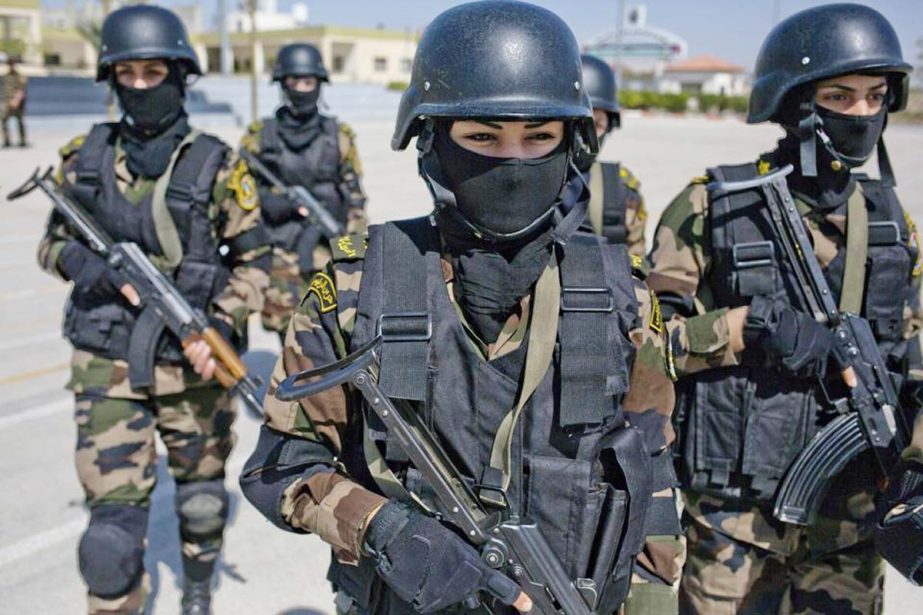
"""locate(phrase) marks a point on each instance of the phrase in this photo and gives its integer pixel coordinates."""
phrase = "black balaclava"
(504, 196)
(851, 138)
(154, 123)
(825, 190)
(297, 131)
(301, 103)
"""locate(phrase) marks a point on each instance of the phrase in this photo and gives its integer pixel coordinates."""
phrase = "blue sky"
(730, 29)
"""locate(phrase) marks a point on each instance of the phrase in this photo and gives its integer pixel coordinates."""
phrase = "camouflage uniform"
(288, 282)
(742, 560)
(330, 504)
(116, 459)
(14, 84)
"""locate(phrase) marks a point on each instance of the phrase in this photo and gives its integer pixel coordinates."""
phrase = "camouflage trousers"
(116, 460)
(19, 115)
(742, 561)
(287, 285)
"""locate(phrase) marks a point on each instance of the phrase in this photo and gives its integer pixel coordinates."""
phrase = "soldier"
(491, 305)
(616, 208)
(180, 195)
(302, 146)
(14, 102)
(829, 77)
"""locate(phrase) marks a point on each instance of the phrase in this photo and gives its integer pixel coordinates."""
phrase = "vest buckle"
(753, 254)
(405, 327)
(575, 299)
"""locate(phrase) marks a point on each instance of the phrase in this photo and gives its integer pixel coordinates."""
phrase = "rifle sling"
(597, 198)
(167, 233)
(857, 248)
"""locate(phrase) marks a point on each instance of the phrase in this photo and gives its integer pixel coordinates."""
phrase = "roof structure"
(704, 64)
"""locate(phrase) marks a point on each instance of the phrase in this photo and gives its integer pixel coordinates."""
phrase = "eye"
(836, 97)
(481, 137)
(541, 137)
(877, 97)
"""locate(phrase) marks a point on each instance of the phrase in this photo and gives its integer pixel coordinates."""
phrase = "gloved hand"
(797, 341)
(426, 564)
(899, 534)
(91, 274)
(277, 208)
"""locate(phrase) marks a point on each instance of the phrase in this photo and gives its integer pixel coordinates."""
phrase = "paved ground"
(264, 570)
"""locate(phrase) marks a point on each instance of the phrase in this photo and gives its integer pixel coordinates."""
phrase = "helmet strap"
(884, 164)
(807, 136)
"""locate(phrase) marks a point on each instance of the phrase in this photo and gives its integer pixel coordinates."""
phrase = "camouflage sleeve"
(635, 213)
(56, 232)
(237, 214)
(350, 181)
(698, 331)
(324, 502)
(913, 312)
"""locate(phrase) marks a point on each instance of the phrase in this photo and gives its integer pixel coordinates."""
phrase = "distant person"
(14, 102)
(616, 208)
(186, 200)
(829, 76)
(302, 147)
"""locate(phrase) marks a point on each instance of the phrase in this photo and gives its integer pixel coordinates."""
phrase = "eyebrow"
(846, 88)
(490, 124)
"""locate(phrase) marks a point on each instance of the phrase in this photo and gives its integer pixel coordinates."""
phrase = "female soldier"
(302, 147)
(829, 76)
(490, 306)
(180, 195)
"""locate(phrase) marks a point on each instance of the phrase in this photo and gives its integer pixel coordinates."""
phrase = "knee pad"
(111, 551)
(202, 508)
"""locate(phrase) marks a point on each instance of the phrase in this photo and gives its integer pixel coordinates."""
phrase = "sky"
(730, 29)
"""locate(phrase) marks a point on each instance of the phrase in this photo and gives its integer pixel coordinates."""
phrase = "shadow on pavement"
(301, 611)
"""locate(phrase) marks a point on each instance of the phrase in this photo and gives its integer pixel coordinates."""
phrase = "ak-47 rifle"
(162, 305)
(870, 415)
(512, 544)
(299, 195)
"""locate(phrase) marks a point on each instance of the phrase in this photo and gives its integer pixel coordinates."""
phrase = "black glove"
(277, 208)
(91, 274)
(427, 565)
(899, 535)
(797, 341)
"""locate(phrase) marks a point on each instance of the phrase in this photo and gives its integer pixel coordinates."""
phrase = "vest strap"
(614, 206)
(857, 249)
(597, 198)
(167, 233)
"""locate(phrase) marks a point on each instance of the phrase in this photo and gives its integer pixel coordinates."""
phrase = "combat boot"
(197, 597)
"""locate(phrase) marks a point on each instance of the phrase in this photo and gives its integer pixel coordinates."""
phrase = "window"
(338, 63)
(381, 65)
(406, 65)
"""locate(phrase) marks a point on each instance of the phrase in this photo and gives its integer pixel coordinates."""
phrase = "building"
(21, 30)
(353, 55)
(703, 74)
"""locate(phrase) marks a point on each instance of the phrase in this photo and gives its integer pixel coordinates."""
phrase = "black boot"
(197, 597)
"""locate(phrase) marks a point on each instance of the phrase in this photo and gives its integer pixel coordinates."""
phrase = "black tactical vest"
(577, 470)
(741, 427)
(316, 167)
(614, 196)
(105, 327)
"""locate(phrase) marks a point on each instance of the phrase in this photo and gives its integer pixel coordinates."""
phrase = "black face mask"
(152, 110)
(150, 156)
(504, 196)
(852, 137)
(302, 103)
(297, 131)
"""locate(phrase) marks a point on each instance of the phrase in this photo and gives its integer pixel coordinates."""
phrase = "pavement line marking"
(47, 336)
(60, 406)
(41, 541)
(35, 373)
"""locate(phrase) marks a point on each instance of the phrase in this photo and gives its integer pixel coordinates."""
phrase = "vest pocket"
(889, 270)
(101, 329)
(196, 281)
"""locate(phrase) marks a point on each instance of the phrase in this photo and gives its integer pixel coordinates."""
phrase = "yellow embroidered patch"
(656, 323)
(347, 246)
(763, 167)
(913, 242)
(72, 146)
(636, 261)
(322, 286)
(244, 186)
(699, 179)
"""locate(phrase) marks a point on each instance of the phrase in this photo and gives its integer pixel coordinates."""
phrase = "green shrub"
(397, 86)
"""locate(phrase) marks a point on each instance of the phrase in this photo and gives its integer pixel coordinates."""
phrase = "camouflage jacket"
(234, 209)
(327, 502)
(13, 84)
(350, 172)
(635, 213)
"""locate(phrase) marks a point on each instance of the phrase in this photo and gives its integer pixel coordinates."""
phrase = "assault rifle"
(869, 413)
(299, 196)
(162, 306)
(512, 543)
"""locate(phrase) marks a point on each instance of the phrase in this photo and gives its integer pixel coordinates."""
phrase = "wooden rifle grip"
(230, 369)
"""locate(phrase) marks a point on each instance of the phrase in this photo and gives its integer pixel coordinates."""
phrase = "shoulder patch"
(628, 177)
(243, 185)
(322, 286)
(349, 247)
(656, 323)
(913, 242)
(72, 146)
(346, 129)
(639, 266)
(763, 167)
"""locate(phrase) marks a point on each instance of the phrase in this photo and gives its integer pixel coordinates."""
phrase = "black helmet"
(823, 42)
(142, 32)
(599, 82)
(299, 59)
(498, 59)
